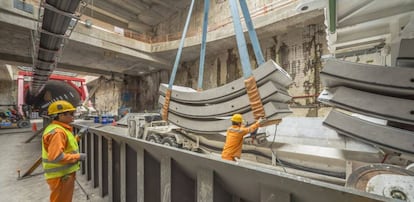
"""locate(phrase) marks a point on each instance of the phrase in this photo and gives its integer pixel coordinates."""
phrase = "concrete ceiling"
(98, 52)
(94, 52)
(137, 15)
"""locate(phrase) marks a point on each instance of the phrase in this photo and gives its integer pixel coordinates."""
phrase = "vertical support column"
(131, 174)
(88, 163)
(110, 170)
(166, 179)
(272, 195)
(92, 157)
(205, 185)
(123, 171)
(140, 174)
(152, 178)
(95, 161)
(105, 174)
(100, 176)
(82, 149)
(20, 92)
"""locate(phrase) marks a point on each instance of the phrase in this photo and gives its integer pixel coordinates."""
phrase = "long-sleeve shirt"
(55, 143)
(234, 140)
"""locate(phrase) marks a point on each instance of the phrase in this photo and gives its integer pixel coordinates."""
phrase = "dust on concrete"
(17, 155)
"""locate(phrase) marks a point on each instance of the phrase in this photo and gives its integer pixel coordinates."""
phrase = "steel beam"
(205, 185)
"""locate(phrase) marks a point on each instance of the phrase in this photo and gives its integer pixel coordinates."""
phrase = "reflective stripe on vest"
(53, 168)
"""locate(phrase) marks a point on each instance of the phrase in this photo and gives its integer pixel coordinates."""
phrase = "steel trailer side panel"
(243, 181)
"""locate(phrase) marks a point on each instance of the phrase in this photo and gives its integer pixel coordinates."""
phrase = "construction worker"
(234, 137)
(60, 152)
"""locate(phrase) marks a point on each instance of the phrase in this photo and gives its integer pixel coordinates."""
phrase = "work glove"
(261, 121)
(82, 156)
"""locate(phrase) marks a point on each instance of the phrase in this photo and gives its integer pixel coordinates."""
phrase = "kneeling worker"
(234, 137)
(60, 152)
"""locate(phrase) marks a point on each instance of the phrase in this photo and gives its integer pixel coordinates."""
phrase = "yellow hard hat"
(60, 106)
(238, 118)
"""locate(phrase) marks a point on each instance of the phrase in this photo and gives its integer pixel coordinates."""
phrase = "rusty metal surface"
(380, 106)
(361, 176)
(380, 135)
(269, 71)
(268, 92)
(157, 172)
(395, 81)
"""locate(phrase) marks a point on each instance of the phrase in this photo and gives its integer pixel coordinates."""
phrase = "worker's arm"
(56, 145)
(251, 128)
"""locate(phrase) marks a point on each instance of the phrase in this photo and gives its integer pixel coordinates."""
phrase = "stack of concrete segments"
(208, 111)
(374, 104)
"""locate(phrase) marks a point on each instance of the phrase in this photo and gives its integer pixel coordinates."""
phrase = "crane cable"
(166, 105)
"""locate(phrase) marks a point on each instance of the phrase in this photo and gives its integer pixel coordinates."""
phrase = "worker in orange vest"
(60, 152)
(234, 137)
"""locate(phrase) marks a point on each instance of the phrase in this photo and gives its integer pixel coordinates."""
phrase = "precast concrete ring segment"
(393, 81)
(370, 104)
(268, 92)
(220, 124)
(269, 71)
(380, 135)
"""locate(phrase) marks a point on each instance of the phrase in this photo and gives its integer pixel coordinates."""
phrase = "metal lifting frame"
(203, 45)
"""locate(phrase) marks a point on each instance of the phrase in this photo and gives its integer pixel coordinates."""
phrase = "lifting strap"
(203, 45)
(252, 33)
(250, 83)
(177, 60)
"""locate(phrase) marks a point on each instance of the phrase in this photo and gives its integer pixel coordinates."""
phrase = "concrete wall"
(107, 97)
(137, 93)
(143, 91)
(219, 14)
(8, 92)
(8, 85)
(297, 49)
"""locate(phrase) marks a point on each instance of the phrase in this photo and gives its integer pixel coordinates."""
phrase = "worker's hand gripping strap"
(166, 105)
(254, 97)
